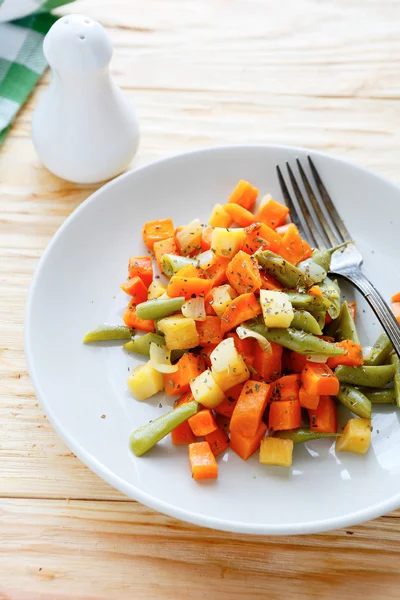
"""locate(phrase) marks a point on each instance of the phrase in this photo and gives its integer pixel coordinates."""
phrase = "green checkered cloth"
(22, 62)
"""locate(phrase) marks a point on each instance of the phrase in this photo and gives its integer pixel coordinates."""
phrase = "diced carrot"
(272, 237)
(188, 287)
(141, 266)
(292, 245)
(189, 366)
(208, 304)
(243, 273)
(218, 440)
(324, 417)
(210, 331)
(246, 348)
(284, 415)
(272, 213)
(294, 362)
(268, 364)
(269, 283)
(154, 231)
(227, 406)
(242, 308)
(132, 321)
(205, 354)
(246, 446)
(353, 358)
(202, 422)
(307, 250)
(183, 433)
(395, 297)
(308, 400)
(202, 461)
(244, 194)
(253, 240)
(315, 290)
(396, 310)
(352, 309)
(217, 272)
(318, 380)
(286, 388)
(206, 238)
(240, 215)
(250, 407)
(135, 288)
(162, 247)
(188, 271)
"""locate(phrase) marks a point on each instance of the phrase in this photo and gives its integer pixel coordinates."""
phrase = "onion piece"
(206, 259)
(160, 359)
(244, 333)
(194, 308)
(317, 358)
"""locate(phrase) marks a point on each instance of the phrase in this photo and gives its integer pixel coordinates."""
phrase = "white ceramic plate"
(77, 286)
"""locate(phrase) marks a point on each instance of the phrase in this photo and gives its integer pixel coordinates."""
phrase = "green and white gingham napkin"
(21, 56)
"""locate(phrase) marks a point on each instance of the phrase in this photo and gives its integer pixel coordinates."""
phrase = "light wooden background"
(320, 73)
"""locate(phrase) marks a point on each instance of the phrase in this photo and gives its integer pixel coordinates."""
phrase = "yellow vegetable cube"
(227, 242)
(180, 332)
(206, 391)
(145, 381)
(276, 451)
(222, 297)
(277, 308)
(219, 217)
(356, 436)
(189, 237)
(156, 289)
(227, 366)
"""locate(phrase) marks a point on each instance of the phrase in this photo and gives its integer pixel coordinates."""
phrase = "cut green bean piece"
(346, 329)
(375, 377)
(384, 396)
(307, 302)
(395, 360)
(301, 436)
(331, 292)
(380, 351)
(159, 308)
(141, 344)
(282, 270)
(298, 341)
(107, 332)
(320, 317)
(148, 435)
(313, 270)
(170, 263)
(355, 400)
(304, 321)
(323, 257)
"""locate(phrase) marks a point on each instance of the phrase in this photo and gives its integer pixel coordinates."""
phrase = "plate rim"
(134, 492)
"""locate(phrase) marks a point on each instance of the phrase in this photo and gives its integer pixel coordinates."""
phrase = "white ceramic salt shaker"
(83, 129)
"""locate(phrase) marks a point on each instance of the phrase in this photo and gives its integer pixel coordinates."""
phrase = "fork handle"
(378, 305)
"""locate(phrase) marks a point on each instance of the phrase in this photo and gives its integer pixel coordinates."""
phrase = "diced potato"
(180, 332)
(356, 436)
(145, 381)
(222, 297)
(189, 237)
(219, 217)
(156, 289)
(276, 451)
(206, 391)
(277, 308)
(227, 366)
(227, 242)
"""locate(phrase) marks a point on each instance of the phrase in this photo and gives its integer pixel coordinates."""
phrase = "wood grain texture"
(200, 73)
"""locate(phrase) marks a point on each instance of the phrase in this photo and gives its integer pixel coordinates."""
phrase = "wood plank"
(100, 550)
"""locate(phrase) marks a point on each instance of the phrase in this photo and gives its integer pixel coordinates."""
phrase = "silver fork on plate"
(320, 224)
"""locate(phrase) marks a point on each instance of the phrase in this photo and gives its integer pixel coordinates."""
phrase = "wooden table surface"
(323, 74)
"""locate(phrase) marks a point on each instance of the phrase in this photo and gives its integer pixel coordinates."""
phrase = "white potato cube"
(277, 308)
(156, 289)
(227, 366)
(222, 297)
(180, 332)
(145, 381)
(219, 217)
(227, 242)
(206, 391)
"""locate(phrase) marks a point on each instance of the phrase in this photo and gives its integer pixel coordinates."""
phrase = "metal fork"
(320, 224)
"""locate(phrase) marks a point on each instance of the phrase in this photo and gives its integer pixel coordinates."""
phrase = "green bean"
(380, 351)
(300, 436)
(395, 360)
(170, 263)
(331, 328)
(323, 257)
(312, 269)
(148, 435)
(304, 321)
(141, 344)
(307, 302)
(384, 396)
(298, 341)
(355, 400)
(282, 270)
(159, 308)
(320, 317)
(331, 292)
(346, 327)
(375, 377)
(107, 332)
